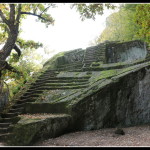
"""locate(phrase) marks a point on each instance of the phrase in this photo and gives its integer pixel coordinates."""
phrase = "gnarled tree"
(11, 16)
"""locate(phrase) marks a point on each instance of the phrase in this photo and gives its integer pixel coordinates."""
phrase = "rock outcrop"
(90, 88)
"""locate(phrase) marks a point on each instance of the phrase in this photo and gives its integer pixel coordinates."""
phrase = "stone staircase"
(94, 54)
(76, 66)
(46, 81)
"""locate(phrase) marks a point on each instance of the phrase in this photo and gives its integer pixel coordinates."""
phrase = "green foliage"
(142, 18)
(89, 11)
(30, 43)
(26, 65)
(131, 22)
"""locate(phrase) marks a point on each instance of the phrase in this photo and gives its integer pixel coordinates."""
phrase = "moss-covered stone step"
(16, 110)
(87, 63)
(68, 68)
(87, 68)
(69, 78)
(39, 89)
(33, 108)
(7, 120)
(17, 106)
(90, 60)
(94, 52)
(47, 74)
(75, 70)
(61, 79)
(28, 130)
(70, 65)
(71, 68)
(5, 125)
(59, 87)
(4, 130)
(50, 72)
(56, 84)
(30, 91)
(8, 115)
(57, 81)
(29, 96)
(25, 100)
(95, 59)
(4, 136)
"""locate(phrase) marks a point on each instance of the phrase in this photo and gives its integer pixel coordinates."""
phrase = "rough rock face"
(124, 102)
(125, 51)
(71, 57)
(99, 95)
(28, 130)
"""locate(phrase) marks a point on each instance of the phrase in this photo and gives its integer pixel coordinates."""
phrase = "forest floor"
(137, 136)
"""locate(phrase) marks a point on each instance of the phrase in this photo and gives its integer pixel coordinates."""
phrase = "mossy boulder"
(31, 128)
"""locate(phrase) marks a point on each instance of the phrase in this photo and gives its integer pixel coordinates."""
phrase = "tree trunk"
(13, 30)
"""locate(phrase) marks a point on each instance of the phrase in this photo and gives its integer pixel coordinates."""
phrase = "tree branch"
(35, 9)
(9, 67)
(17, 49)
(28, 13)
(12, 13)
(44, 10)
(4, 18)
(18, 15)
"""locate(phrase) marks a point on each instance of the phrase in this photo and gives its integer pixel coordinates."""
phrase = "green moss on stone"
(106, 74)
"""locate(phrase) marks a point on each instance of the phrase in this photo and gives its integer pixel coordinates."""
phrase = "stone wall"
(107, 52)
(124, 102)
(71, 57)
(125, 51)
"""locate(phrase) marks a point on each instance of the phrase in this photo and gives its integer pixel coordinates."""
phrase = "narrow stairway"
(94, 54)
(47, 81)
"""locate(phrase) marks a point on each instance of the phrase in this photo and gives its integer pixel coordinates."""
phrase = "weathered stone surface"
(65, 58)
(45, 108)
(124, 102)
(28, 130)
(108, 52)
(96, 96)
(125, 51)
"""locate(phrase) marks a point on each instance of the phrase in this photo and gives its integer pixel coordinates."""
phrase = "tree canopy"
(129, 23)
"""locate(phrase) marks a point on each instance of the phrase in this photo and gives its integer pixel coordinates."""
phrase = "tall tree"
(129, 23)
(11, 17)
(142, 19)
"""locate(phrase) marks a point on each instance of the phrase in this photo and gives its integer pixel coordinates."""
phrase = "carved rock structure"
(107, 85)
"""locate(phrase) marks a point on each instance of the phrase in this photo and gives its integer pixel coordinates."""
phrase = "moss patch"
(30, 129)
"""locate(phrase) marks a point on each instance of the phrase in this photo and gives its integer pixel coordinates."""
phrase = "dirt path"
(134, 136)
(138, 136)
